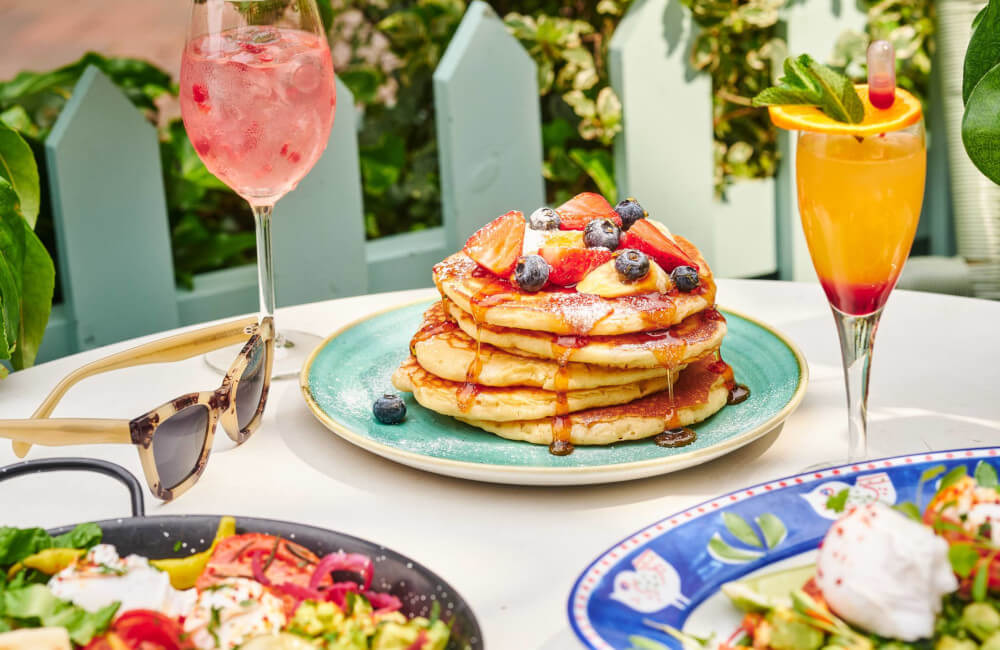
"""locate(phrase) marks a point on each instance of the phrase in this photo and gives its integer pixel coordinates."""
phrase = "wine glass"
(859, 199)
(258, 96)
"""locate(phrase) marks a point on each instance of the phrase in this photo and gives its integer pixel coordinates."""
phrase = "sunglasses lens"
(251, 385)
(178, 443)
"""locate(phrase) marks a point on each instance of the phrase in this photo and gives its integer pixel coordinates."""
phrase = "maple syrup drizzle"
(738, 394)
(674, 438)
(479, 304)
(561, 425)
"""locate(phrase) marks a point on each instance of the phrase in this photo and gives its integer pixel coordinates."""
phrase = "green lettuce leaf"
(810, 83)
(37, 606)
(18, 543)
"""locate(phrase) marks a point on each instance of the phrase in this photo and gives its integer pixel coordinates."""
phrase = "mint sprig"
(813, 84)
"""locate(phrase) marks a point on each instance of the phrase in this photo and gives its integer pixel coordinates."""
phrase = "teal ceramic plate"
(353, 366)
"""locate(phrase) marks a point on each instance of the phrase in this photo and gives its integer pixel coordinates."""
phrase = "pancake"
(698, 335)
(495, 403)
(443, 349)
(495, 301)
(699, 393)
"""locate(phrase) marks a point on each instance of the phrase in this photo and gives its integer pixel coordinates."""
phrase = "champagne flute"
(258, 97)
(860, 199)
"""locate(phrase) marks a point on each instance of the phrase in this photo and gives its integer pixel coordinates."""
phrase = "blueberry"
(632, 265)
(685, 278)
(603, 233)
(544, 219)
(630, 211)
(531, 272)
(389, 409)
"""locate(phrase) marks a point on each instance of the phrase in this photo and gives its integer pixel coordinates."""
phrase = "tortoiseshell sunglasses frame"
(220, 403)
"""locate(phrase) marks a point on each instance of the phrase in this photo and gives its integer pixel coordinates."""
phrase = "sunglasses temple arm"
(59, 432)
(173, 348)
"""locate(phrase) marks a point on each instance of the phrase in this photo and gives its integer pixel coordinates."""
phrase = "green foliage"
(27, 274)
(981, 91)
(738, 45)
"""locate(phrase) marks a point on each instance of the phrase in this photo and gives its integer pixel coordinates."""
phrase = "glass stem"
(265, 268)
(857, 336)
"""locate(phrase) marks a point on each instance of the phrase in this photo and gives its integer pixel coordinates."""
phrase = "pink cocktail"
(258, 104)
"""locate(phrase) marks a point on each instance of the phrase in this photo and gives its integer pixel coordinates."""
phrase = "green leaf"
(37, 285)
(82, 536)
(17, 166)
(980, 130)
(599, 167)
(36, 604)
(811, 83)
(18, 543)
(932, 473)
(838, 501)
(726, 553)
(773, 528)
(11, 265)
(979, 583)
(983, 52)
(963, 558)
(909, 509)
(953, 477)
(740, 529)
(986, 475)
(643, 643)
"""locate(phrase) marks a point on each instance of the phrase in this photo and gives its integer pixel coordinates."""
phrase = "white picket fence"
(110, 212)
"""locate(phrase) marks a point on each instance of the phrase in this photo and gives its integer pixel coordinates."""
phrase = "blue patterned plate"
(353, 366)
(670, 573)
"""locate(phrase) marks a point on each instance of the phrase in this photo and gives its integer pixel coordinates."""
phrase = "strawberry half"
(570, 265)
(646, 237)
(583, 208)
(497, 245)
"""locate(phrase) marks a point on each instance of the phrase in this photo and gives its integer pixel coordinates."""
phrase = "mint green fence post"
(489, 125)
(319, 236)
(110, 217)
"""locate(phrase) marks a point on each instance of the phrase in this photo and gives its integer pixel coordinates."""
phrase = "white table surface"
(514, 552)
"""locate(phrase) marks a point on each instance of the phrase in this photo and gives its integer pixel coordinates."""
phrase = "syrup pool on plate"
(258, 103)
(860, 200)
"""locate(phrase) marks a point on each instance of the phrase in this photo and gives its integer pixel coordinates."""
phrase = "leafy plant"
(738, 45)
(27, 274)
(981, 92)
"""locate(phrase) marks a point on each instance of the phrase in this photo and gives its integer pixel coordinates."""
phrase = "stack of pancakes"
(564, 368)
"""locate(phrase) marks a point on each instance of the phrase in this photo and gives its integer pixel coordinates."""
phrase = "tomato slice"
(107, 641)
(144, 629)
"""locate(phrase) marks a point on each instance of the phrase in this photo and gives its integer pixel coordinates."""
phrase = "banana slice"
(605, 282)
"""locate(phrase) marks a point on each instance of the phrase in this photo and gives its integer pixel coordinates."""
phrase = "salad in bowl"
(885, 577)
(252, 591)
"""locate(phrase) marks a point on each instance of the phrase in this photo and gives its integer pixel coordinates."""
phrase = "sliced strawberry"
(497, 245)
(646, 237)
(580, 210)
(570, 265)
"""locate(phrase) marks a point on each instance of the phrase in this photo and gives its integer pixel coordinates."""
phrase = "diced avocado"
(788, 632)
(350, 636)
(951, 643)
(314, 619)
(992, 643)
(394, 636)
(980, 620)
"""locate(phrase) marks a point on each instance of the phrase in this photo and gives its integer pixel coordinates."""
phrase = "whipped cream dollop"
(884, 572)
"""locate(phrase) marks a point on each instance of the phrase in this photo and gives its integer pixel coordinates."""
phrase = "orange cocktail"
(860, 198)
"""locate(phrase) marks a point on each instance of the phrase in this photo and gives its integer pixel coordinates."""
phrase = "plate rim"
(750, 491)
(463, 468)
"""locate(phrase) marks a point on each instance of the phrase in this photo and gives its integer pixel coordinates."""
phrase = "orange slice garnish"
(905, 111)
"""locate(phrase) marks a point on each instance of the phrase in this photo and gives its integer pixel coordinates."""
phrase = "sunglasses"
(175, 439)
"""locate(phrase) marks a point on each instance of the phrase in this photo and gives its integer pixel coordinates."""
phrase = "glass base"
(291, 349)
